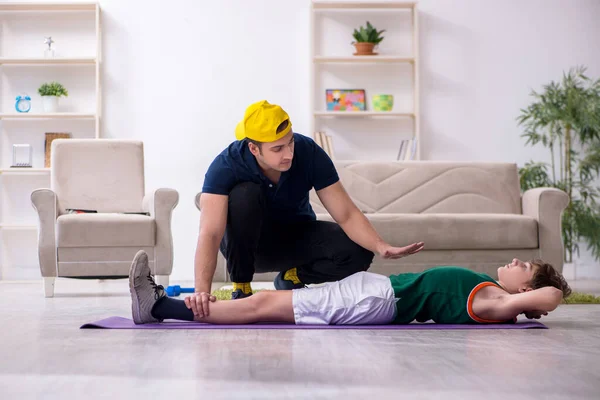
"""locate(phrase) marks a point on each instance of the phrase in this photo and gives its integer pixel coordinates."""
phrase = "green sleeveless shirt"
(443, 295)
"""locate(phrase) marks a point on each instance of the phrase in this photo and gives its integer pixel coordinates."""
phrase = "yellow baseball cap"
(260, 123)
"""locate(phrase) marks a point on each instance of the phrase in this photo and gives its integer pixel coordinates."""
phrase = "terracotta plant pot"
(364, 49)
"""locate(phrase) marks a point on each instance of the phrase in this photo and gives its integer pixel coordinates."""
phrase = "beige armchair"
(105, 175)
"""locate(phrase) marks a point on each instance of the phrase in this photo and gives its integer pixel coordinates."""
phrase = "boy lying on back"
(447, 295)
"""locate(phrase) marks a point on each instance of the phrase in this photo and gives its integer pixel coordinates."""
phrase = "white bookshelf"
(46, 62)
(363, 60)
(8, 227)
(25, 171)
(47, 7)
(363, 114)
(77, 62)
(394, 70)
(59, 115)
(358, 6)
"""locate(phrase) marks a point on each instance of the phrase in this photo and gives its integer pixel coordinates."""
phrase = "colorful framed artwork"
(345, 99)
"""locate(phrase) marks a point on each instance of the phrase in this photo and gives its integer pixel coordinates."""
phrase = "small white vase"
(50, 104)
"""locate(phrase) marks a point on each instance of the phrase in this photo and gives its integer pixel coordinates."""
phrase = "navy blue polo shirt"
(287, 200)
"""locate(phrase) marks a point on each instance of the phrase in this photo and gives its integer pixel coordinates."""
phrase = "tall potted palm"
(565, 118)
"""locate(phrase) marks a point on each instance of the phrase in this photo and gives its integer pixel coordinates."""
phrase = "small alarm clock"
(23, 104)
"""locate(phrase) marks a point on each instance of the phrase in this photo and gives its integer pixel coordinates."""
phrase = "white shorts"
(360, 299)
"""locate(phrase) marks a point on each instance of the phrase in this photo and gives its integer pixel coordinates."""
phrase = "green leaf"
(368, 34)
(569, 105)
(534, 175)
(52, 89)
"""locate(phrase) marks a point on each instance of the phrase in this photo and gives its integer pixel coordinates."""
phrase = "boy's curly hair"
(546, 275)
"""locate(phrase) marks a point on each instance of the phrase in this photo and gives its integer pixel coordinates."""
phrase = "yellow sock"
(245, 287)
(292, 275)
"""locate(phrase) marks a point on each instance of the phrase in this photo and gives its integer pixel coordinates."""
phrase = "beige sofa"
(469, 214)
(105, 175)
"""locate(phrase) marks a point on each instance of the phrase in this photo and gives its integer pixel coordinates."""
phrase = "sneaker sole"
(135, 303)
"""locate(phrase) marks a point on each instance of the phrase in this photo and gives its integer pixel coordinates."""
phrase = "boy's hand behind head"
(534, 314)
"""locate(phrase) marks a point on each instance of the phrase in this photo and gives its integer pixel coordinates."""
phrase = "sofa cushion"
(456, 231)
(430, 187)
(104, 230)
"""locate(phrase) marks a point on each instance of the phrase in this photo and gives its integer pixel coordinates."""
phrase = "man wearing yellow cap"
(256, 210)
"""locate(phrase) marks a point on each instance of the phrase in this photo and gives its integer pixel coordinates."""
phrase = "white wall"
(481, 58)
(178, 75)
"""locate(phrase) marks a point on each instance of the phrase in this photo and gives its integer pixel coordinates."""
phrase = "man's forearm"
(205, 262)
(361, 231)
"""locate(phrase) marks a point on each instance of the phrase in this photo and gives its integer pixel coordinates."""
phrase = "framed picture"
(48, 145)
(345, 99)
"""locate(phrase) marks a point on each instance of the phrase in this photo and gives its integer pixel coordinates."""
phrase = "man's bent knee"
(245, 190)
(246, 197)
(362, 258)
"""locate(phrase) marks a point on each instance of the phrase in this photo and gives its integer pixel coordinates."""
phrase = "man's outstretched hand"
(390, 252)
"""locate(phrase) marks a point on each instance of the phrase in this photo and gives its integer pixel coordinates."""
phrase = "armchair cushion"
(105, 230)
(105, 175)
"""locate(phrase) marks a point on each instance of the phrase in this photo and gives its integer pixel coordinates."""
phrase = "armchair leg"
(162, 280)
(49, 286)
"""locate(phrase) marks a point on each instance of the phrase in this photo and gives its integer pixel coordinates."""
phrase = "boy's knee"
(258, 301)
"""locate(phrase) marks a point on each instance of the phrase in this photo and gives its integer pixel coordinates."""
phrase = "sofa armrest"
(160, 203)
(546, 206)
(45, 203)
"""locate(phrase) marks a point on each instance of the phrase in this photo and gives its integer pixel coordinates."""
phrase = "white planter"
(50, 104)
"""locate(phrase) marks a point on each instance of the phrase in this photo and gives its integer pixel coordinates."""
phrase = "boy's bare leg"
(150, 304)
(271, 306)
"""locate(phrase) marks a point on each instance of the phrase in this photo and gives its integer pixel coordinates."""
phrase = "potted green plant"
(366, 39)
(565, 118)
(50, 93)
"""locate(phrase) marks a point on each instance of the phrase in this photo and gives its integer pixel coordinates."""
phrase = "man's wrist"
(201, 288)
(380, 246)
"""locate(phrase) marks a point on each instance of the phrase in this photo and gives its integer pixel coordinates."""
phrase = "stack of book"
(407, 150)
(325, 141)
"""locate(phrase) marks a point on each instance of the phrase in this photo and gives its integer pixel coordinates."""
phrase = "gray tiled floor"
(45, 355)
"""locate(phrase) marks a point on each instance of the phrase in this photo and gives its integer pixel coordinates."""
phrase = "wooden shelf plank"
(25, 171)
(363, 59)
(362, 114)
(48, 7)
(349, 5)
(48, 61)
(47, 116)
